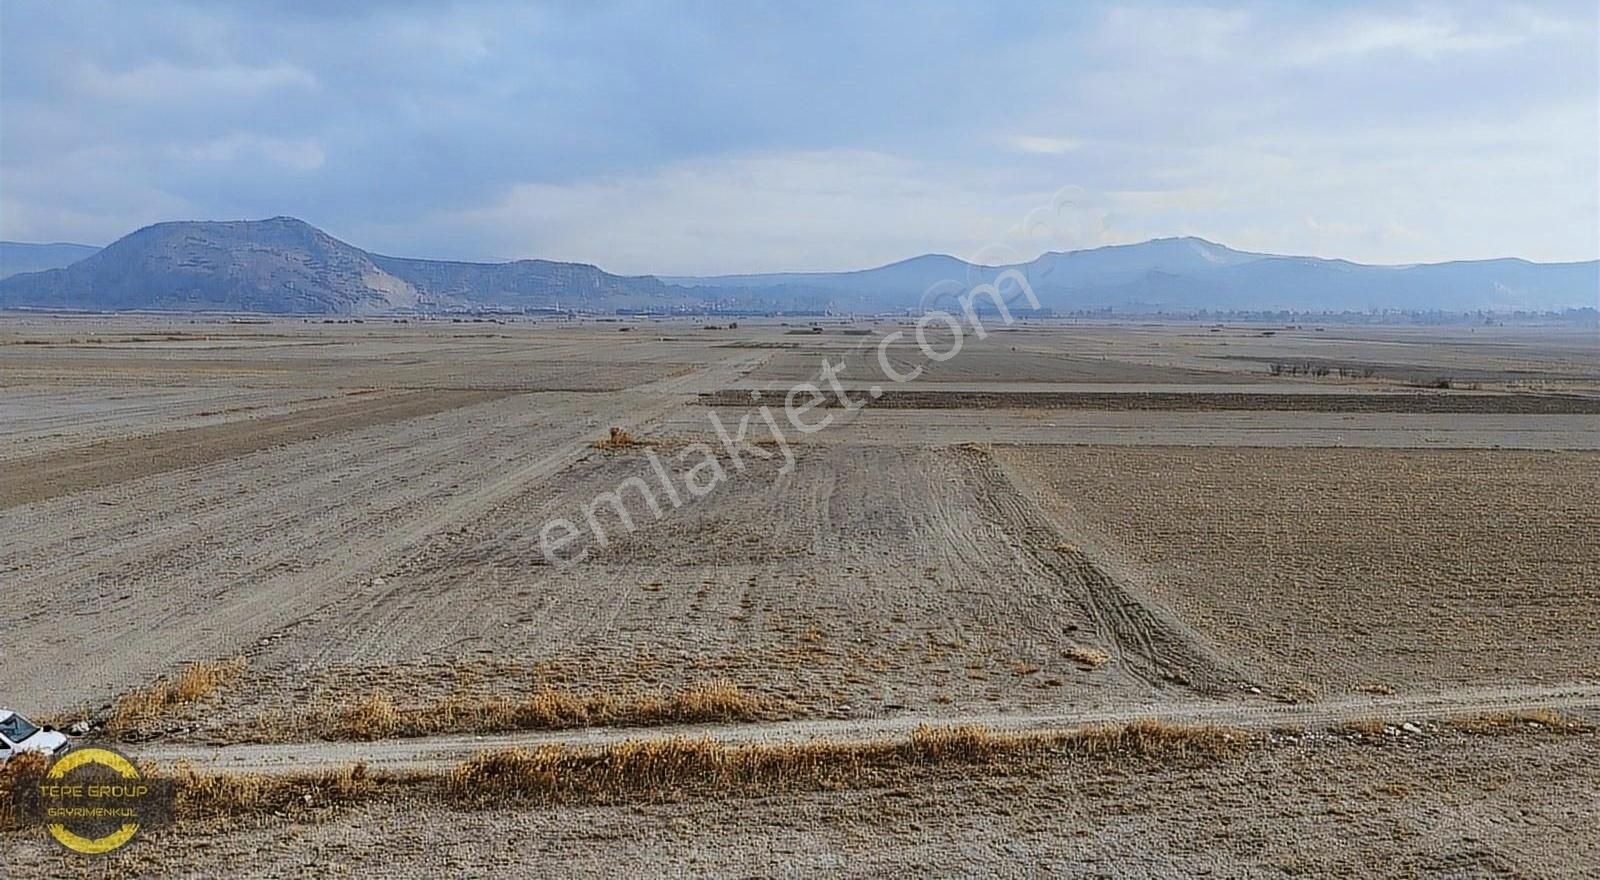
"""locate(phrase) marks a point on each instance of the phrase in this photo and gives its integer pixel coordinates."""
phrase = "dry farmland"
(284, 546)
(1342, 568)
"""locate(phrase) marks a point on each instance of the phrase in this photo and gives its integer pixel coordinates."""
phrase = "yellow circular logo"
(94, 799)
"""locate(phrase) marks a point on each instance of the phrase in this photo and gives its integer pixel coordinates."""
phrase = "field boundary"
(424, 753)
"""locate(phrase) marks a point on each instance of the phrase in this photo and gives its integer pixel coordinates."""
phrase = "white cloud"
(85, 195)
(1388, 195)
(1427, 36)
(1043, 146)
(302, 154)
(809, 210)
(1188, 32)
(1379, 133)
(162, 80)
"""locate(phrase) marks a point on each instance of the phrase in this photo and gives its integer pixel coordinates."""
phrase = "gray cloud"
(702, 137)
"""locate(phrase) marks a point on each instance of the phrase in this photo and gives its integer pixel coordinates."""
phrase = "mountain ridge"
(283, 265)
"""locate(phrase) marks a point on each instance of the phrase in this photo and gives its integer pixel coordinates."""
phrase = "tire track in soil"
(1150, 642)
(365, 610)
(235, 621)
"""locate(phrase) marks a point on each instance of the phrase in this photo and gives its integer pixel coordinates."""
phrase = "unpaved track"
(434, 753)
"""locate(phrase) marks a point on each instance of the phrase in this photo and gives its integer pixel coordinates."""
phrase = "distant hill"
(19, 256)
(1186, 274)
(277, 265)
(531, 283)
(287, 266)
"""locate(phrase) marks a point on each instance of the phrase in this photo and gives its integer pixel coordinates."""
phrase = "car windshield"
(16, 728)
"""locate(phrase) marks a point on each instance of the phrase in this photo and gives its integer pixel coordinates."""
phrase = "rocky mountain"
(286, 266)
(524, 283)
(17, 257)
(278, 265)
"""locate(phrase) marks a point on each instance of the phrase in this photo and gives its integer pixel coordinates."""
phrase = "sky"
(720, 137)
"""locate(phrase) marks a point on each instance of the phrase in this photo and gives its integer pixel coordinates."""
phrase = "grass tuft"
(1511, 722)
(18, 774)
(1083, 655)
(1368, 727)
(197, 681)
(618, 438)
(377, 717)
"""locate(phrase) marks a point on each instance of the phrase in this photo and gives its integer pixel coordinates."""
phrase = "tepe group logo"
(93, 801)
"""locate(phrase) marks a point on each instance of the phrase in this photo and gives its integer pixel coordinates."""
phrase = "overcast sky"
(732, 137)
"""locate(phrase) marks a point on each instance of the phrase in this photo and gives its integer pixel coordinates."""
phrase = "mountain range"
(286, 266)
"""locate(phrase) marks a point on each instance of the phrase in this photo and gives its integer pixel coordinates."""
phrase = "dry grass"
(1524, 719)
(373, 717)
(17, 774)
(215, 795)
(196, 682)
(678, 767)
(619, 438)
(1083, 655)
(377, 717)
(673, 769)
(1365, 726)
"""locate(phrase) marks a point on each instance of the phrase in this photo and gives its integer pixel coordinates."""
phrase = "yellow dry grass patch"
(215, 795)
(1523, 719)
(619, 438)
(663, 769)
(197, 681)
(678, 766)
(18, 774)
(1083, 655)
(376, 716)
(1365, 726)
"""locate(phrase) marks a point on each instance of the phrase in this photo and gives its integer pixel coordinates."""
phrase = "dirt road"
(432, 753)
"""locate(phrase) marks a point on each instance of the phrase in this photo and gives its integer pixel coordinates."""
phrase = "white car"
(18, 735)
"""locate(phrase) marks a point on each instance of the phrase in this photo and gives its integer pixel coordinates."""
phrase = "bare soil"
(1451, 805)
(357, 509)
(1344, 568)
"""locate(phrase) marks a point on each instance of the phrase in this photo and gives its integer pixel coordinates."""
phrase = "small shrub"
(374, 717)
